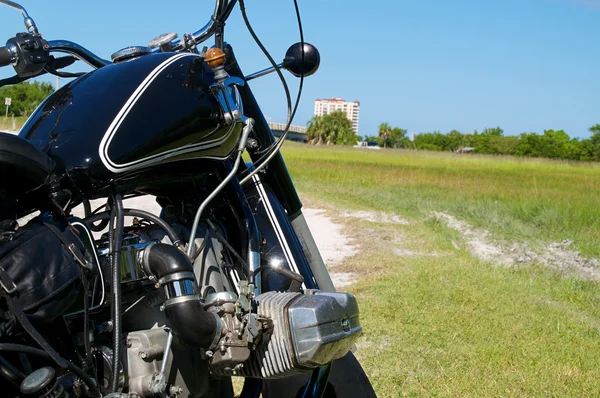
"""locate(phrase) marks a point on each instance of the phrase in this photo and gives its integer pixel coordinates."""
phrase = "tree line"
(553, 144)
(25, 96)
(336, 129)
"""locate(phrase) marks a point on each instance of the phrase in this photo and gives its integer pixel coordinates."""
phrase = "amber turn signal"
(214, 57)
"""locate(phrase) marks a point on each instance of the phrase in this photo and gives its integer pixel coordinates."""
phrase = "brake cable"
(274, 148)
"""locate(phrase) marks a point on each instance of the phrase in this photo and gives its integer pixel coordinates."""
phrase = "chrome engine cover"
(309, 330)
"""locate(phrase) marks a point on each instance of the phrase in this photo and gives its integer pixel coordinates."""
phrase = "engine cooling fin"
(309, 330)
(275, 358)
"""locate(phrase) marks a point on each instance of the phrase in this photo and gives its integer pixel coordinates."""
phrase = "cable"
(273, 149)
(119, 216)
(144, 214)
(133, 195)
(274, 65)
(224, 241)
(269, 57)
(41, 353)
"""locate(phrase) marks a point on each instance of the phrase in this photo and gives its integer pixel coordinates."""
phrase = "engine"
(298, 332)
(272, 335)
(176, 331)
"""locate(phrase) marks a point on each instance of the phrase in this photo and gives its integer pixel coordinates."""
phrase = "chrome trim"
(68, 47)
(14, 53)
(130, 52)
(206, 31)
(137, 246)
(27, 20)
(180, 288)
(241, 146)
(229, 98)
(163, 42)
(253, 265)
(176, 277)
(182, 299)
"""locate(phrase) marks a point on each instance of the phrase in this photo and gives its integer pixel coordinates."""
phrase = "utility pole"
(57, 82)
(7, 102)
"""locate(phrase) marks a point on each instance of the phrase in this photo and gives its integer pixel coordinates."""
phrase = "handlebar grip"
(6, 57)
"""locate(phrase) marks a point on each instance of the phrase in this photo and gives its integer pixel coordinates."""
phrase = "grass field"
(439, 321)
(7, 124)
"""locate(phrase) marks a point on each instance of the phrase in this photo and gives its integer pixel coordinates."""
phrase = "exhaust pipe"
(184, 311)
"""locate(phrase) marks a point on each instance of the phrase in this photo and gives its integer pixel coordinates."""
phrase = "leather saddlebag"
(43, 260)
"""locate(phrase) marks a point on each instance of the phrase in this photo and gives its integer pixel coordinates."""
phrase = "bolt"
(209, 354)
(143, 355)
(175, 390)
(252, 143)
(346, 325)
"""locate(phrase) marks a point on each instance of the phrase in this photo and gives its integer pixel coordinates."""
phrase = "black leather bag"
(43, 260)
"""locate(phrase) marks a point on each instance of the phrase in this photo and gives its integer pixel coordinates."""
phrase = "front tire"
(347, 379)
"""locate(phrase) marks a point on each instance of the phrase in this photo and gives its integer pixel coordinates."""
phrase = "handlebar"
(222, 10)
(11, 54)
(68, 47)
(208, 29)
(6, 56)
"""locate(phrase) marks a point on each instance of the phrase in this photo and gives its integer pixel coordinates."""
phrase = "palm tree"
(333, 128)
(385, 132)
(317, 130)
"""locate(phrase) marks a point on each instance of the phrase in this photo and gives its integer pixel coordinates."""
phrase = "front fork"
(278, 178)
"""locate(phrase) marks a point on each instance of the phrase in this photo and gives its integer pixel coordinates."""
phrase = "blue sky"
(423, 65)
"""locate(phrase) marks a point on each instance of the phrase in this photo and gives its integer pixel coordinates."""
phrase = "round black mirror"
(293, 59)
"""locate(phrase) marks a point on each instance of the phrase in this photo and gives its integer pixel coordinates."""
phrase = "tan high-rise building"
(351, 109)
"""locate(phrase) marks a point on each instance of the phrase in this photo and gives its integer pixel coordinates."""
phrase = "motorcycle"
(226, 281)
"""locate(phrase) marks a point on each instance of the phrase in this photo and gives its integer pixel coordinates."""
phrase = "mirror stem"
(29, 24)
(264, 72)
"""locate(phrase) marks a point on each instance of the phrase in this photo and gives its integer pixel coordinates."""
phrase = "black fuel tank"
(130, 117)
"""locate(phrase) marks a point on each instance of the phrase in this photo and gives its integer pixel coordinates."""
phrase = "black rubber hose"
(86, 324)
(100, 227)
(140, 213)
(41, 353)
(187, 319)
(164, 260)
(87, 207)
(116, 289)
(5, 56)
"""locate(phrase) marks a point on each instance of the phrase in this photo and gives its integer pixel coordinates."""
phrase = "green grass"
(450, 325)
(516, 199)
(7, 124)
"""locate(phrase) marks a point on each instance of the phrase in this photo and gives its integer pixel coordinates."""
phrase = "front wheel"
(347, 379)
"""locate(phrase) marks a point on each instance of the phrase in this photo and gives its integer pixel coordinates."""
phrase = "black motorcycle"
(227, 281)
